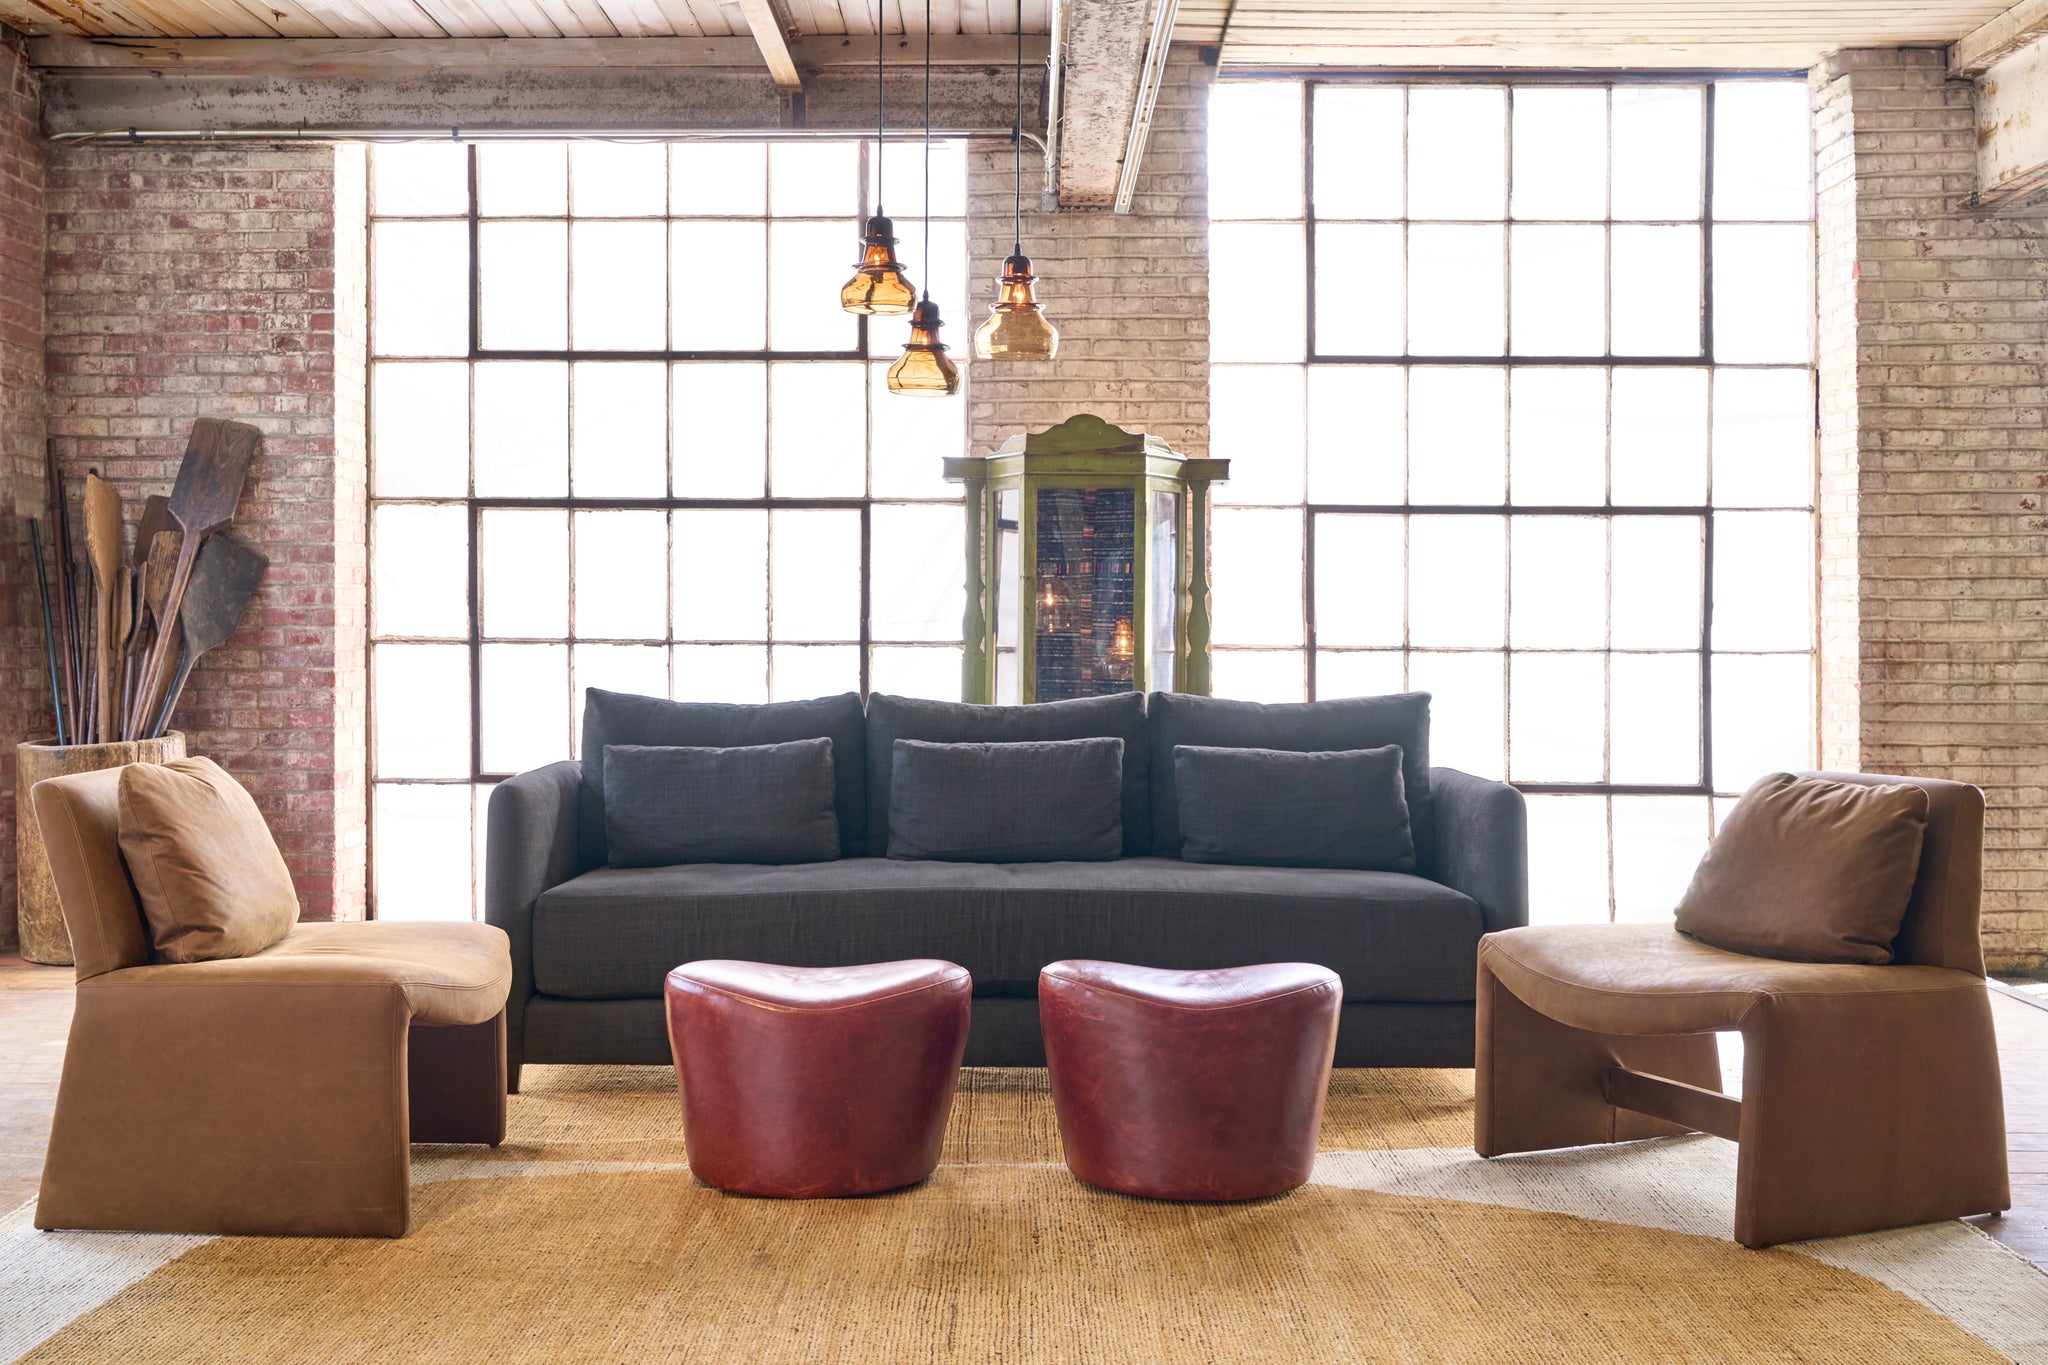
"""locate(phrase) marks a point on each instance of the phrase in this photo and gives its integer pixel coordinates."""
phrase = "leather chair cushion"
(1647, 979)
(450, 973)
(211, 880)
(1810, 870)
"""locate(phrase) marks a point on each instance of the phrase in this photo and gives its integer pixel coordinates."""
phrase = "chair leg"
(1539, 1082)
(456, 1082)
(1868, 1111)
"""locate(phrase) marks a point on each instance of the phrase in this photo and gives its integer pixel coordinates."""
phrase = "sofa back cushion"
(1176, 718)
(623, 718)
(760, 803)
(1054, 801)
(1809, 870)
(1270, 808)
(208, 873)
(1121, 716)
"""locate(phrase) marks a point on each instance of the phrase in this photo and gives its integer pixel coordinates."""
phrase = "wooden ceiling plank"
(1978, 50)
(578, 18)
(711, 18)
(774, 43)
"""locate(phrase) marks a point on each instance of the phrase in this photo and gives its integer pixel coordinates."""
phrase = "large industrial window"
(1517, 384)
(623, 436)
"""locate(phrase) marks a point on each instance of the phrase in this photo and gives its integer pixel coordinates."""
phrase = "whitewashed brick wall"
(1934, 468)
(1129, 292)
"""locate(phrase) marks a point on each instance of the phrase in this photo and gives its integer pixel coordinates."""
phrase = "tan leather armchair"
(274, 1093)
(1870, 1095)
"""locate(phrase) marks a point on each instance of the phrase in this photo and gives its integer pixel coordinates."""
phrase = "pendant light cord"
(881, 121)
(1017, 140)
(927, 149)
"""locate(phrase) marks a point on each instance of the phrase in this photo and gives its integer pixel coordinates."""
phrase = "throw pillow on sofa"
(1120, 716)
(1273, 808)
(1057, 801)
(623, 718)
(1810, 870)
(206, 869)
(762, 803)
(1300, 727)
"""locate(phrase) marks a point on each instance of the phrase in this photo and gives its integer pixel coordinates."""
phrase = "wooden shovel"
(203, 500)
(156, 517)
(103, 551)
(156, 586)
(222, 582)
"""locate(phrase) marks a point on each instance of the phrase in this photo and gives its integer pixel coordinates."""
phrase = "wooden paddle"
(62, 569)
(103, 552)
(156, 586)
(156, 516)
(223, 580)
(209, 485)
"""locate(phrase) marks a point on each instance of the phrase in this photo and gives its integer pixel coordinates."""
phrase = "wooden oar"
(209, 485)
(222, 583)
(62, 569)
(156, 586)
(103, 551)
(156, 517)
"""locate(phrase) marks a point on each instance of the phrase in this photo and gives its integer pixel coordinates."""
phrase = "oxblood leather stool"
(816, 1082)
(1189, 1085)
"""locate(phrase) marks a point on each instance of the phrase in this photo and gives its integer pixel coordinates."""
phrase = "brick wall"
(1934, 442)
(23, 694)
(187, 281)
(1129, 292)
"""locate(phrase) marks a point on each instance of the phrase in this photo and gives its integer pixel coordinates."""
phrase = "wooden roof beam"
(773, 31)
(1978, 50)
(1111, 52)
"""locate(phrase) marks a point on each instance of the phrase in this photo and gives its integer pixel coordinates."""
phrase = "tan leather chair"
(275, 1093)
(1870, 1095)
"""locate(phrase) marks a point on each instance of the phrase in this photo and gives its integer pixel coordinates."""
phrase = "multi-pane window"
(1516, 382)
(622, 436)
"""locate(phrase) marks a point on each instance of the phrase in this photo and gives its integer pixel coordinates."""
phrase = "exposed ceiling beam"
(330, 56)
(1105, 49)
(773, 35)
(1976, 51)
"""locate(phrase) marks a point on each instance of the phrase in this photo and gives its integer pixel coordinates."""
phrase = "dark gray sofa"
(591, 943)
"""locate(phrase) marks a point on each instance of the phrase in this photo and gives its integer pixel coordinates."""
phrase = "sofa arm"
(531, 846)
(1482, 844)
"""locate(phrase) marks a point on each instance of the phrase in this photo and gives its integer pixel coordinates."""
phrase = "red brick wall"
(23, 695)
(188, 281)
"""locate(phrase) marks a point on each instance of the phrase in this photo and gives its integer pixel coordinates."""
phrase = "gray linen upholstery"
(615, 932)
(761, 803)
(623, 718)
(947, 722)
(531, 846)
(1482, 844)
(1051, 801)
(1176, 718)
(1266, 808)
(1003, 1032)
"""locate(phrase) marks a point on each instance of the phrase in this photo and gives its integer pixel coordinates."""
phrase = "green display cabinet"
(1087, 565)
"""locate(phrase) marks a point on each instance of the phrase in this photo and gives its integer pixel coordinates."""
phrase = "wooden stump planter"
(43, 936)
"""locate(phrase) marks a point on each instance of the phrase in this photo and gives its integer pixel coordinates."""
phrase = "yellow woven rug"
(585, 1238)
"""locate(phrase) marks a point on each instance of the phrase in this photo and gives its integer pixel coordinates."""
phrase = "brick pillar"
(1934, 468)
(1129, 292)
(202, 281)
(24, 695)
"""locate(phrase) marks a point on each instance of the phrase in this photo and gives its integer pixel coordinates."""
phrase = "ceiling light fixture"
(1016, 327)
(923, 367)
(878, 284)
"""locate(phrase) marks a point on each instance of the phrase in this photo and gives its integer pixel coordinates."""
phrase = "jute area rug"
(585, 1238)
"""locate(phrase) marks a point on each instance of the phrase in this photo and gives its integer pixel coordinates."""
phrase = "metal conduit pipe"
(310, 134)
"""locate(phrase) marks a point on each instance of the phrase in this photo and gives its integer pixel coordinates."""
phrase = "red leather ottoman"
(816, 1082)
(1189, 1085)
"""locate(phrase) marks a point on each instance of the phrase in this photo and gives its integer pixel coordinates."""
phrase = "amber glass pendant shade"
(923, 367)
(878, 284)
(1016, 327)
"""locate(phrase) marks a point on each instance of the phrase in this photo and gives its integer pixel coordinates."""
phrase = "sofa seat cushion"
(448, 973)
(614, 933)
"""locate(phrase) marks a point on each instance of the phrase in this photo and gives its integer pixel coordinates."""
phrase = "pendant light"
(923, 367)
(878, 284)
(1016, 327)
